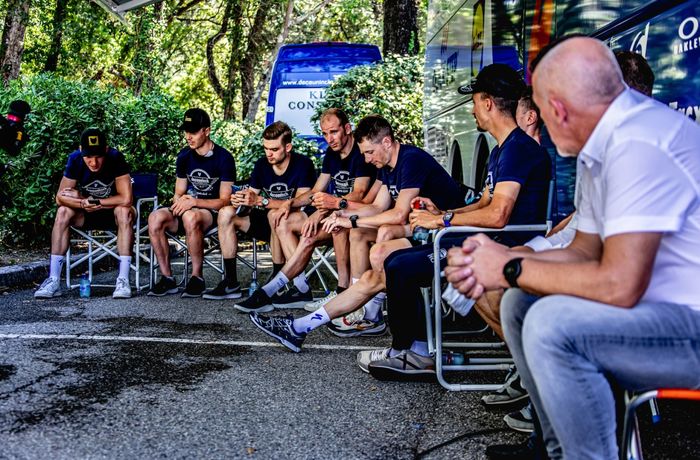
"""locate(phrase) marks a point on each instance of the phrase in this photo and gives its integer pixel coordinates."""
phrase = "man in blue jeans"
(620, 302)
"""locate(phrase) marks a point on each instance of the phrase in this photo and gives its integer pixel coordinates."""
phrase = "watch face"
(343, 204)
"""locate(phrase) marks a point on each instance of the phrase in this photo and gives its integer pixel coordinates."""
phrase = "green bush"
(393, 89)
(143, 128)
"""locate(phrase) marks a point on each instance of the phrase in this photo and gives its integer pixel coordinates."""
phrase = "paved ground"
(185, 378)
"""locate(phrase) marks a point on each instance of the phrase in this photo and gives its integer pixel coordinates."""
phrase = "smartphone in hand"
(94, 201)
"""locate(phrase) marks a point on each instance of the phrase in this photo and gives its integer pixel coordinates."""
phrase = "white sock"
(124, 266)
(310, 322)
(420, 348)
(374, 307)
(275, 284)
(55, 265)
(301, 283)
(354, 280)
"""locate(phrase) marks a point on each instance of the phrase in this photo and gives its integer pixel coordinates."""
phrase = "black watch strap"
(511, 271)
(353, 220)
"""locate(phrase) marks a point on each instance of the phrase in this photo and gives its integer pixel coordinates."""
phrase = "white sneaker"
(315, 305)
(350, 318)
(48, 289)
(122, 290)
(367, 356)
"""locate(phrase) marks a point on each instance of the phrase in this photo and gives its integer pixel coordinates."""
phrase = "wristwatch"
(511, 271)
(343, 204)
(265, 202)
(447, 218)
(353, 220)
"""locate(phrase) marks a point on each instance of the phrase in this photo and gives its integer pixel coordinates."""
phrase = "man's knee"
(548, 324)
(226, 216)
(515, 303)
(386, 233)
(64, 216)
(157, 220)
(192, 222)
(377, 254)
(123, 215)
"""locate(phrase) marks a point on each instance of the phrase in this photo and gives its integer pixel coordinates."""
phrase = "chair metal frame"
(102, 243)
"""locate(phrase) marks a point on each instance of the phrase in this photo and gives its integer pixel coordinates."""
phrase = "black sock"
(230, 270)
(340, 289)
(276, 268)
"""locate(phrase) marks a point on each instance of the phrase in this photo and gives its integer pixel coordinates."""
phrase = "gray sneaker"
(48, 289)
(122, 290)
(521, 420)
(511, 391)
(316, 304)
(369, 356)
(407, 365)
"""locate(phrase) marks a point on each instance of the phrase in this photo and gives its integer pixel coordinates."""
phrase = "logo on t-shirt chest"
(98, 189)
(343, 183)
(280, 191)
(201, 181)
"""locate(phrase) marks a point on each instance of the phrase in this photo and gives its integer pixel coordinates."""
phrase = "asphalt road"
(187, 378)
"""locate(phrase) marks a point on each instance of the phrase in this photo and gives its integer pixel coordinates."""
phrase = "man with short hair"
(205, 172)
(348, 178)
(636, 71)
(94, 193)
(405, 171)
(279, 176)
(620, 301)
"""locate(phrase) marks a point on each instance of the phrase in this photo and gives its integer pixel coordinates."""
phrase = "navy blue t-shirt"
(205, 174)
(98, 184)
(416, 168)
(300, 173)
(521, 159)
(344, 171)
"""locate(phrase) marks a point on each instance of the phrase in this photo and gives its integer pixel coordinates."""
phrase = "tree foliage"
(393, 89)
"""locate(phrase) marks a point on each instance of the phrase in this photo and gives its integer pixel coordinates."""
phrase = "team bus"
(301, 74)
(464, 36)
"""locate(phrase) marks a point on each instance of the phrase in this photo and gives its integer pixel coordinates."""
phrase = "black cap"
(93, 143)
(194, 120)
(19, 108)
(497, 80)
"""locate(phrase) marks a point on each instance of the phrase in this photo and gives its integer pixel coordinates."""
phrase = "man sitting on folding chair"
(205, 173)
(94, 193)
(348, 177)
(620, 302)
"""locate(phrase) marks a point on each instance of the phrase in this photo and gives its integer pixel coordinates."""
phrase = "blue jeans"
(565, 347)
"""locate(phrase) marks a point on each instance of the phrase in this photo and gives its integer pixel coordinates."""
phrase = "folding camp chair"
(321, 257)
(434, 313)
(631, 445)
(103, 242)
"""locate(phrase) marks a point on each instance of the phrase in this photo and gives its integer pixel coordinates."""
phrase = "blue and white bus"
(464, 36)
(301, 74)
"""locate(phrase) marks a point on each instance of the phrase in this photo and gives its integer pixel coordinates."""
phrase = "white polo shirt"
(640, 172)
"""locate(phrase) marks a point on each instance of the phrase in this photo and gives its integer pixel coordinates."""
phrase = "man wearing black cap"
(205, 173)
(95, 193)
(515, 192)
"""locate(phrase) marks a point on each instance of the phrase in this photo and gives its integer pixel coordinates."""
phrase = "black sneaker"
(195, 287)
(163, 287)
(293, 298)
(281, 329)
(259, 302)
(224, 291)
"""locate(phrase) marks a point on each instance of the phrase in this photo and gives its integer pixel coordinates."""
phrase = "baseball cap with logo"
(194, 120)
(93, 143)
(497, 80)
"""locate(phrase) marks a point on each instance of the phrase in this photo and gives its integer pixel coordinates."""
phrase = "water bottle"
(420, 234)
(453, 358)
(85, 286)
(253, 287)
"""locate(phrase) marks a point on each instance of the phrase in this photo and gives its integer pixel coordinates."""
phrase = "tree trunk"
(400, 27)
(233, 13)
(12, 44)
(253, 54)
(59, 15)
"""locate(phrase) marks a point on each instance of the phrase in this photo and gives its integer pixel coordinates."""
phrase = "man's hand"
(275, 215)
(428, 203)
(310, 227)
(246, 197)
(87, 207)
(423, 218)
(283, 211)
(334, 223)
(477, 266)
(183, 204)
(325, 201)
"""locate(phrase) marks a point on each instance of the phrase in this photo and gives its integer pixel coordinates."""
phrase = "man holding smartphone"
(94, 193)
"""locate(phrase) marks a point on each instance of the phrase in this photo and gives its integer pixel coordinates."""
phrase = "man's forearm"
(212, 203)
(390, 217)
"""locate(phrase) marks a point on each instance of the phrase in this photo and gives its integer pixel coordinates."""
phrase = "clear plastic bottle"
(85, 286)
(452, 358)
(253, 287)
(420, 234)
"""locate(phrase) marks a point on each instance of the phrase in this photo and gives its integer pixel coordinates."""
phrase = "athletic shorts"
(99, 220)
(259, 225)
(181, 226)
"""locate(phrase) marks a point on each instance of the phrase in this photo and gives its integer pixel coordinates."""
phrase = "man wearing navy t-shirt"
(94, 193)
(344, 181)
(205, 173)
(405, 172)
(277, 177)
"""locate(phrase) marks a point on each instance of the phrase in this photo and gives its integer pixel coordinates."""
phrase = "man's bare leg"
(341, 247)
(159, 222)
(360, 241)
(489, 308)
(196, 222)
